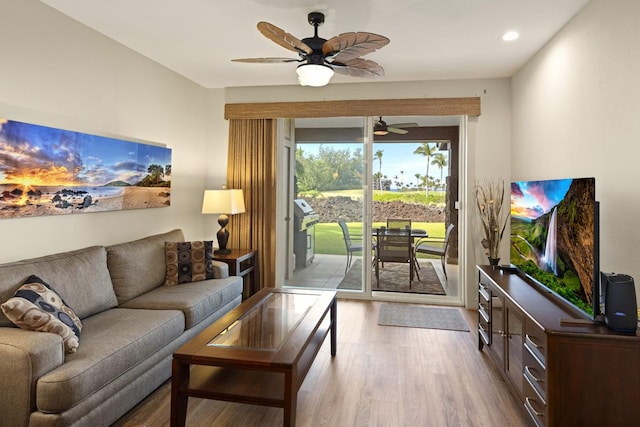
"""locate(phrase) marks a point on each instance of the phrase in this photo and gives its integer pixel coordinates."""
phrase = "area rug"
(416, 316)
(394, 277)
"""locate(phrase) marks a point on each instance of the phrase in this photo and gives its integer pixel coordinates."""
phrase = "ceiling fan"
(320, 58)
(380, 127)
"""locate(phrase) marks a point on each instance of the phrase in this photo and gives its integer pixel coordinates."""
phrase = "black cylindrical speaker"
(620, 308)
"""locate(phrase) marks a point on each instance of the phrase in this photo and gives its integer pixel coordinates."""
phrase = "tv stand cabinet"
(565, 369)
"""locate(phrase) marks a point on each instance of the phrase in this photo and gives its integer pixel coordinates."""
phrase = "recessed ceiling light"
(510, 36)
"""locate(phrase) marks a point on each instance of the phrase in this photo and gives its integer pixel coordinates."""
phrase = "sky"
(530, 199)
(39, 155)
(396, 157)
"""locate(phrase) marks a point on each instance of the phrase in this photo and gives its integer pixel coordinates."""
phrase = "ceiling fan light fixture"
(315, 75)
(380, 128)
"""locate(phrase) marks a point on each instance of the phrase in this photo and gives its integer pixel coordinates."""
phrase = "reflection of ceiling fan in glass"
(380, 127)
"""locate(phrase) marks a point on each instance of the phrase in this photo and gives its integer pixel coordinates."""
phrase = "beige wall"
(575, 113)
(58, 73)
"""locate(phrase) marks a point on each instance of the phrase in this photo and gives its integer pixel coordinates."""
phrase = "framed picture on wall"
(50, 171)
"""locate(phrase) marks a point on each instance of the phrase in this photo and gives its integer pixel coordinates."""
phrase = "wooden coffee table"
(259, 353)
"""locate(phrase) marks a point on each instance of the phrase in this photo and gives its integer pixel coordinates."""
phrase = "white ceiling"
(430, 39)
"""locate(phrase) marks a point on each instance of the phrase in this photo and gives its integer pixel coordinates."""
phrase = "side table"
(243, 263)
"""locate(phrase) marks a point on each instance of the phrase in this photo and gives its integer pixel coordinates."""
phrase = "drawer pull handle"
(532, 341)
(538, 413)
(529, 371)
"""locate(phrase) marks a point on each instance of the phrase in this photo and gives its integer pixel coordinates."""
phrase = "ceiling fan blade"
(284, 39)
(405, 125)
(266, 60)
(359, 68)
(348, 46)
(397, 130)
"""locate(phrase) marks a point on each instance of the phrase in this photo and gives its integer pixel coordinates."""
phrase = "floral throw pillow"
(188, 262)
(37, 307)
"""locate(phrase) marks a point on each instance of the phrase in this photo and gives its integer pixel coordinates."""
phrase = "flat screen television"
(554, 238)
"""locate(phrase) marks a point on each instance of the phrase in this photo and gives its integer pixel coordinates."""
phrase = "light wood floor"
(382, 376)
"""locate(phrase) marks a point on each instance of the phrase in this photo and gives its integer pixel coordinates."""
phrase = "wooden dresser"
(566, 370)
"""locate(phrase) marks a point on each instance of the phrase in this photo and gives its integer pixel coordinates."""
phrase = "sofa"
(131, 323)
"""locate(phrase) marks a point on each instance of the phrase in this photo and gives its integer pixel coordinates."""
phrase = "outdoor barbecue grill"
(304, 234)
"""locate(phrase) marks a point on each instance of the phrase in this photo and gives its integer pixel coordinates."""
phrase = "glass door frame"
(367, 209)
(367, 218)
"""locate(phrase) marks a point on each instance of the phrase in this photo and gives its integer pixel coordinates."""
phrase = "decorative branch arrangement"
(493, 215)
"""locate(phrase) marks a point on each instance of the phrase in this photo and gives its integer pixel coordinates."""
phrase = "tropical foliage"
(331, 169)
(156, 176)
(335, 169)
(568, 287)
(426, 149)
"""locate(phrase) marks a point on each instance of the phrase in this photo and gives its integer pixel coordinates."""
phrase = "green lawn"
(329, 236)
(435, 198)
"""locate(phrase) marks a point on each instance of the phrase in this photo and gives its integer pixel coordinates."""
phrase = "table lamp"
(224, 202)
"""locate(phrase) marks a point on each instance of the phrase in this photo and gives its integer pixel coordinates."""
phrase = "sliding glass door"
(331, 202)
(345, 182)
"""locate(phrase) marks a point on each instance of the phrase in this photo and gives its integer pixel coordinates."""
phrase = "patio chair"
(398, 224)
(425, 246)
(395, 246)
(349, 244)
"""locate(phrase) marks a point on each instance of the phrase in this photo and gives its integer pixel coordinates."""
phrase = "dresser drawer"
(483, 331)
(484, 282)
(535, 341)
(535, 405)
(535, 373)
(484, 310)
(484, 296)
(483, 313)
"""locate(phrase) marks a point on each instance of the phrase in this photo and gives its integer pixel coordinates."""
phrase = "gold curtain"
(252, 168)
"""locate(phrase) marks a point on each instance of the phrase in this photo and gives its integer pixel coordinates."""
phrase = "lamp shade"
(314, 74)
(227, 202)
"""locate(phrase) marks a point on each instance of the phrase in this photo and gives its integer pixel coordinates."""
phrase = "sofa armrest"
(220, 269)
(25, 356)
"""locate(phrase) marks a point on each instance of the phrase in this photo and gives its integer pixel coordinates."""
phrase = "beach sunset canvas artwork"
(49, 171)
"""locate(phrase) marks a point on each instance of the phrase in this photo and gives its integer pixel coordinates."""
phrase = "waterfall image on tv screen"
(553, 236)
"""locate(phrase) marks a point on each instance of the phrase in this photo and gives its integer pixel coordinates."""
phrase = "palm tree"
(417, 179)
(426, 150)
(440, 161)
(156, 173)
(378, 155)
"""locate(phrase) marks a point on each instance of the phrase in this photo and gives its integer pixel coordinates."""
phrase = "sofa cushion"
(37, 307)
(81, 276)
(113, 342)
(137, 267)
(196, 300)
(188, 262)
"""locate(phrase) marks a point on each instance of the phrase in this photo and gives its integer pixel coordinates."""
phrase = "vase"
(494, 261)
